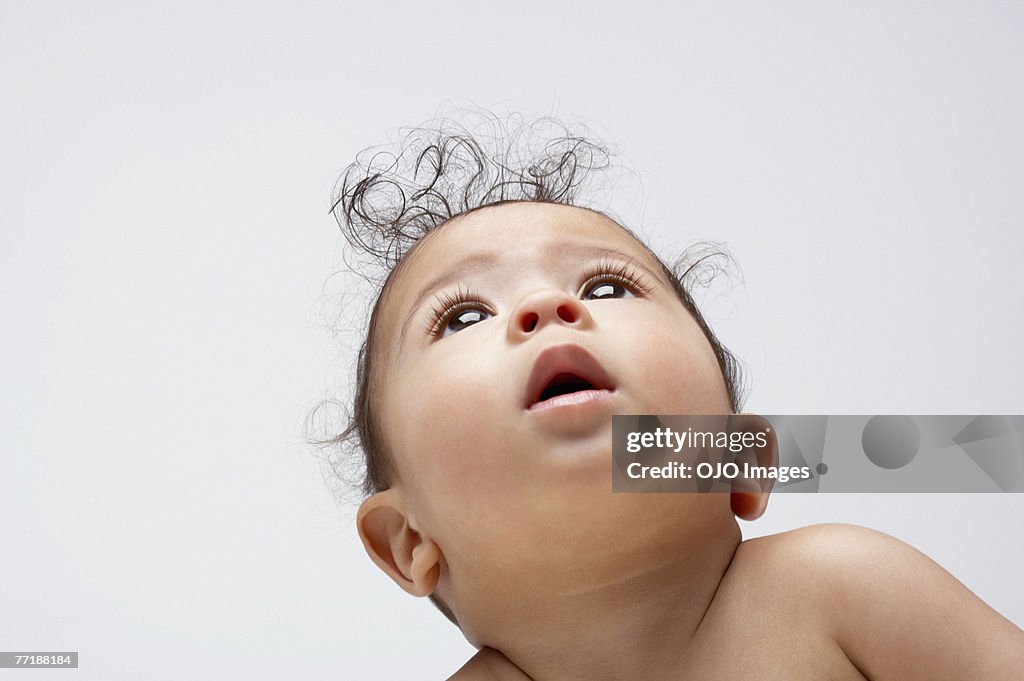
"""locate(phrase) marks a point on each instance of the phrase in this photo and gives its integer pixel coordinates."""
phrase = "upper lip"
(566, 358)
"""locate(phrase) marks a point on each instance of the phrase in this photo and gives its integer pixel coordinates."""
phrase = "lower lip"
(571, 400)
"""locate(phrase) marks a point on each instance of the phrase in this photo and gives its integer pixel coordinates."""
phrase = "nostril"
(530, 321)
(567, 314)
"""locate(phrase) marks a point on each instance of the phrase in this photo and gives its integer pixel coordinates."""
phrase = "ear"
(749, 497)
(410, 559)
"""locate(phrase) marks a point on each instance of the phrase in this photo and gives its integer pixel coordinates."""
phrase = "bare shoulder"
(821, 553)
(894, 612)
(489, 665)
(816, 543)
(796, 570)
(806, 561)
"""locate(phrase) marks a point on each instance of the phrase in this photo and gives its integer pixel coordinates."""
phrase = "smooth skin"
(506, 512)
(831, 602)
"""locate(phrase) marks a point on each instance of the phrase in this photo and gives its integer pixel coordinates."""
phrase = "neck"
(638, 625)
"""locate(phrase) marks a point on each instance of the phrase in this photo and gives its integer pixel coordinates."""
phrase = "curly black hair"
(388, 199)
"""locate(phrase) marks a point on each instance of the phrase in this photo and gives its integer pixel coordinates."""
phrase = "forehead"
(514, 232)
(517, 223)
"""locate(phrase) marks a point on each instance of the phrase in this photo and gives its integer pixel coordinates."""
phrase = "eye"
(606, 289)
(459, 320)
(456, 311)
(609, 279)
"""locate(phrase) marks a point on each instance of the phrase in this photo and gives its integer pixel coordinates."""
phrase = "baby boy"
(512, 324)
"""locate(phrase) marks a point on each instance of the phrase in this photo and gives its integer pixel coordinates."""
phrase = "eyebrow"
(562, 250)
(468, 265)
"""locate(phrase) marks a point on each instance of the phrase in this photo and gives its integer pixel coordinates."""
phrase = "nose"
(548, 306)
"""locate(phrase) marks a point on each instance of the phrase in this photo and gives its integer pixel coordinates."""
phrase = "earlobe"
(410, 559)
(749, 497)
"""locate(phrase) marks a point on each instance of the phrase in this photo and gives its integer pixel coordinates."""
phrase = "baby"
(512, 324)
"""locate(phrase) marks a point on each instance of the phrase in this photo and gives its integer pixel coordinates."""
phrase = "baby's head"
(512, 325)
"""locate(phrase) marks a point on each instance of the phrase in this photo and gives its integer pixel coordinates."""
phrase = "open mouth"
(564, 375)
(564, 384)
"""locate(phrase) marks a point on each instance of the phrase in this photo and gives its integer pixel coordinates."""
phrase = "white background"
(165, 177)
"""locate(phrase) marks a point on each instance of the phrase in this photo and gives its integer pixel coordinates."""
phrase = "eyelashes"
(448, 305)
(624, 273)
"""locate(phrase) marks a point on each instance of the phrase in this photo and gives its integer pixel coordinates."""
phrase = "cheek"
(677, 370)
(446, 418)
